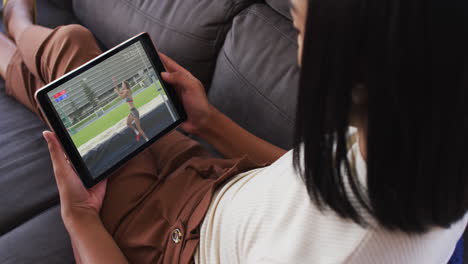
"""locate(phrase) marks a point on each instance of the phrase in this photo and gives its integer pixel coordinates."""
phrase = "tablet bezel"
(64, 137)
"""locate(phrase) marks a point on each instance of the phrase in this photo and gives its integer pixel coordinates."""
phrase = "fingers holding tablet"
(62, 170)
(73, 194)
(170, 64)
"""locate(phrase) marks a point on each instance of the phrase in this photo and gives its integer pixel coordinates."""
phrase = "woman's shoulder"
(274, 202)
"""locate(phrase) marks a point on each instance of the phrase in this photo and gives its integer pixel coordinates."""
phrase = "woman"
(392, 191)
(134, 117)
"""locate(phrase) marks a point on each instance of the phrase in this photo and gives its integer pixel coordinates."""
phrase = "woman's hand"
(75, 199)
(204, 120)
(192, 94)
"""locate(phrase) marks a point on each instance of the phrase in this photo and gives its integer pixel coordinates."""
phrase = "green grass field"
(113, 117)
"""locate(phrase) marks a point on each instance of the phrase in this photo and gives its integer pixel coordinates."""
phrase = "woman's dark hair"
(411, 57)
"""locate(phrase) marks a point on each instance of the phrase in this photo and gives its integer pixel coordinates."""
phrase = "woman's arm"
(205, 121)
(232, 140)
(75, 252)
(91, 241)
(117, 90)
(80, 211)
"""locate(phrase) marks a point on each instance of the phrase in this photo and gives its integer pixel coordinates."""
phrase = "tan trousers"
(156, 202)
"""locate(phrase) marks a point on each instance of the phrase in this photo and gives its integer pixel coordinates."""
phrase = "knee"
(75, 33)
(71, 46)
(77, 42)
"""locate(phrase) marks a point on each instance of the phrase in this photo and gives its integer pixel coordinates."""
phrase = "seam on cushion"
(41, 210)
(221, 29)
(256, 90)
(165, 25)
(278, 10)
(219, 42)
(230, 15)
(224, 30)
(265, 19)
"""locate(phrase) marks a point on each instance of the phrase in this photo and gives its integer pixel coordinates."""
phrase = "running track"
(102, 157)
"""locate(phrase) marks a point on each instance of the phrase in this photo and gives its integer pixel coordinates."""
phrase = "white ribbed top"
(266, 216)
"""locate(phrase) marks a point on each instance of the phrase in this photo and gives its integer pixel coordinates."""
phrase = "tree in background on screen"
(76, 112)
(92, 99)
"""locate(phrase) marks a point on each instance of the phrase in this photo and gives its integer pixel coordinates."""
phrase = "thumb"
(177, 79)
(57, 156)
(55, 149)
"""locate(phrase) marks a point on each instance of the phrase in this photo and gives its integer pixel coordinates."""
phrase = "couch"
(244, 51)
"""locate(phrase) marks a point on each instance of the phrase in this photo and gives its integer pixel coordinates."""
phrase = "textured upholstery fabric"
(190, 31)
(27, 185)
(31, 230)
(43, 239)
(62, 8)
(255, 81)
(280, 6)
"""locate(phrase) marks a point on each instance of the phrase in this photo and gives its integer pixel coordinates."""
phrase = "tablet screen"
(113, 108)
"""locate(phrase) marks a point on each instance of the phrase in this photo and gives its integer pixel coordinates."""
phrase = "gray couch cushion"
(255, 81)
(51, 13)
(190, 31)
(31, 229)
(55, 13)
(281, 6)
(27, 185)
(40, 240)
(60, 6)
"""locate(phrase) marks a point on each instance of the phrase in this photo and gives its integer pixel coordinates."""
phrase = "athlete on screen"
(133, 119)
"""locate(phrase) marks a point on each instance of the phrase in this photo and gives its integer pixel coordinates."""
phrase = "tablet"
(110, 109)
